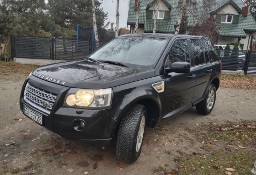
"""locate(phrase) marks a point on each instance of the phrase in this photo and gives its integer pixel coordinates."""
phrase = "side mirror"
(178, 67)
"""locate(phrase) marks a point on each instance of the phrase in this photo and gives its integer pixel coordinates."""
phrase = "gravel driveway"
(26, 148)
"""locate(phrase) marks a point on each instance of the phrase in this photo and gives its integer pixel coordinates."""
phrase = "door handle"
(192, 76)
(209, 70)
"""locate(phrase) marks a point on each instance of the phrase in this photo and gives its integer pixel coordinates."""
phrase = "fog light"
(79, 125)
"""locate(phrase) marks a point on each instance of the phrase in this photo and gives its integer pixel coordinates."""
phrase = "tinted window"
(198, 51)
(207, 49)
(143, 51)
(213, 55)
(179, 51)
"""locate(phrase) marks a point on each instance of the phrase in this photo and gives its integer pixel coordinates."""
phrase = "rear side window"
(198, 51)
(213, 56)
(179, 51)
(207, 50)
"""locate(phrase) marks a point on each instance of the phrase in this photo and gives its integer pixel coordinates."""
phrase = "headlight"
(89, 98)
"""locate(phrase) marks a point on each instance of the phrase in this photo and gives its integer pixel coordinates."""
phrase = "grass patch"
(237, 135)
(238, 81)
(217, 162)
(226, 146)
(12, 67)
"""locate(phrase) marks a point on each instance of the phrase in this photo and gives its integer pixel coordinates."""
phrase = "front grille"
(39, 98)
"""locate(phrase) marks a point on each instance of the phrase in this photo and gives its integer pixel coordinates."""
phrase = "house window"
(158, 14)
(226, 18)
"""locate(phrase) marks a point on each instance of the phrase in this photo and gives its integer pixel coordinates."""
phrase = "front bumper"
(65, 121)
(79, 124)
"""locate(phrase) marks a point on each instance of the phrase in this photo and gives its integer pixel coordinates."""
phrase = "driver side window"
(179, 51)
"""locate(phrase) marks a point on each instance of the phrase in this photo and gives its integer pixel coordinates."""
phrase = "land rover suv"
(132, 82)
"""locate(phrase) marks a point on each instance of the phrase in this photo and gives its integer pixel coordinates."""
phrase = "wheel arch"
(216, 82)
(153, 109)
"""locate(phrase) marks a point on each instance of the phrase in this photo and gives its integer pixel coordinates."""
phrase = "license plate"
(34, 115)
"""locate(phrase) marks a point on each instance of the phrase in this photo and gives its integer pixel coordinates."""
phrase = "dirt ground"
(27, 148)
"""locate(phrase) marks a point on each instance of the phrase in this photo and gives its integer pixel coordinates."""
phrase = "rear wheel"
(206, 106)
(130, 134)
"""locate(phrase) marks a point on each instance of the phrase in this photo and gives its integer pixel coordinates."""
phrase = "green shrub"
(235, 49)
(227, 50)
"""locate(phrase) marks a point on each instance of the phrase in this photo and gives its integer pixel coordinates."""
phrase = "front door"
(201, 67)
(179, 87)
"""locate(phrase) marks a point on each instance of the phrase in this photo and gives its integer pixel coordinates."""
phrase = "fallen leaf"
(70, 170)
(228, 173)
(230, 169)
(170, 173)
(242, 147)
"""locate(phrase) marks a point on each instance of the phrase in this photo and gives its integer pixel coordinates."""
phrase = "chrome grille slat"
(43, 99)
(44, 95)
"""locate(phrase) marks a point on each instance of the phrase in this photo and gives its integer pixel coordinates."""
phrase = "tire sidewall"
(128, 132)
(211, 87)
(135, 153)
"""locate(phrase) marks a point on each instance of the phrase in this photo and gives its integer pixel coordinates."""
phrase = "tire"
(130, 134)
(205, 107)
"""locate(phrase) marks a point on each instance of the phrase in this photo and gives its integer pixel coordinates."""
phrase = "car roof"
(161, 35)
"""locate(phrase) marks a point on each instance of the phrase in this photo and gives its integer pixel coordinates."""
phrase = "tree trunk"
(137, 13)
(117, 18)
(155, 15)
(95, 25)
(182, 5)
(137, 21)
(154, 29)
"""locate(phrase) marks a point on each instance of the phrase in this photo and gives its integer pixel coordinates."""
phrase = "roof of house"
(231, 30)
(246, 23)
(167, 26)
(238, 30)
(166, 2)
(164, 26)
(226, 2)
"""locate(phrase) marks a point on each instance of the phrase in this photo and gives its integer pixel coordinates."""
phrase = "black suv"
(132, 82)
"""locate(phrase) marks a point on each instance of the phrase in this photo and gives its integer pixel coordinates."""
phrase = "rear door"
(201, 67)
(179, 87)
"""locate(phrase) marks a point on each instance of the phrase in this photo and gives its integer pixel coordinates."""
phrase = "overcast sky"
(109, 6)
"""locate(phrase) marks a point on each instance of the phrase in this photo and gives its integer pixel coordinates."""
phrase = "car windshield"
(142, 51)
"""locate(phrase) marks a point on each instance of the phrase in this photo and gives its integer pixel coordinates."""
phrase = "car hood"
(88, 74)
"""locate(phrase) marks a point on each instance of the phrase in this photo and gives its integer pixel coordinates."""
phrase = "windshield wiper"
(114, 63)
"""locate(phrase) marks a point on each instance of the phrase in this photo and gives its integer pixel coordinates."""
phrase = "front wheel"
(130, 134)
(205, 107)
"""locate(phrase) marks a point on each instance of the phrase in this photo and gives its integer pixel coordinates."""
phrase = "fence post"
(52, 49)
(55, 48)
(246, 64)
(72, 50)
(93, 39)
